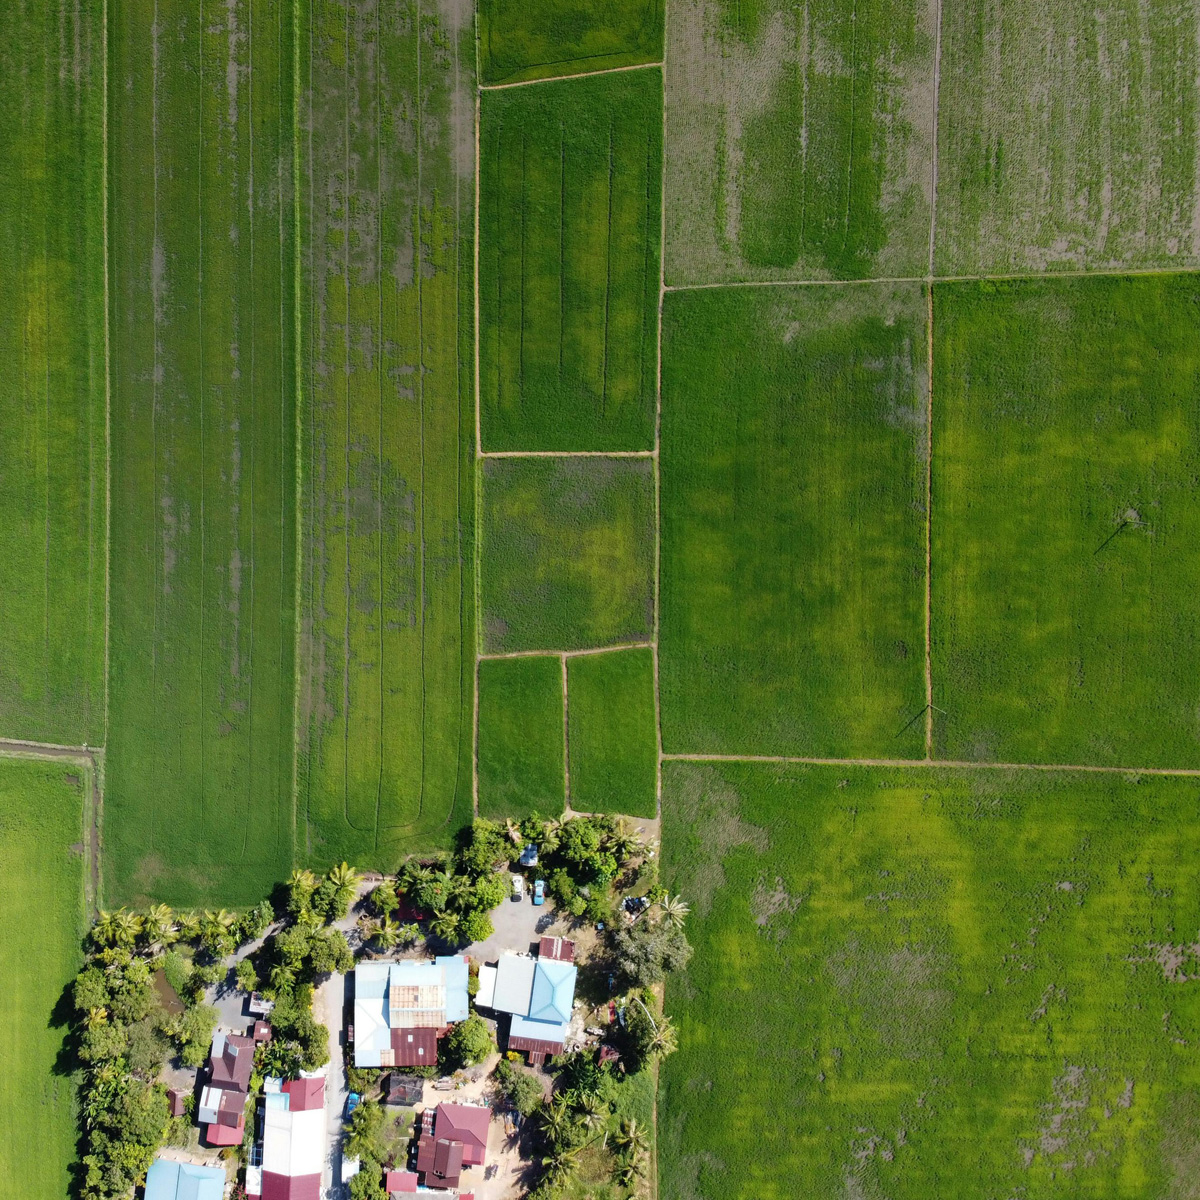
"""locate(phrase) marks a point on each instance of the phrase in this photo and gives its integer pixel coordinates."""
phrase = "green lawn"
(793, 525)
(612, 743)
(542, 38)
(386, 431)
(52, 452)
(568, 553)
(199, 800)
(569, 221)
(799, 139)
(953, 983)
(1068, 136)
(41, 912)
(1066, 455)
(521, 737)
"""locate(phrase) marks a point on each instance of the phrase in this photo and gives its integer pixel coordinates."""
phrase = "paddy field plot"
(612, 742)
(793, 521)
(569, 231)
(1066, 513)
(42, 910)
(199, 798)
(386, 669)
(52, 440)
(543, 38)
(1068, 136)
(567, 553)
(969, 983)
(521, 756)
(799, 139)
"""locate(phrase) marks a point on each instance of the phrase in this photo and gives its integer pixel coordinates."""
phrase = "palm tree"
(158, 926)
(345, 881)
(445, 926)
(631, 1137)
(673, 911)
(95, 1017)
(625, 841)
(629, 1172)
(387, 934)
(555, 1117)
(126, 926)
(514, 831)
(592, 1112)
(104, 930)
(407, 934)
(283, 978)
(559, 1163)
(663, 1041)
(309, 921)
(413, 876)
(189, 925)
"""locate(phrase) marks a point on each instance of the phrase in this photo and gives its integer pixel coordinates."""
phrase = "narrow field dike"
(569, 228)
(199, 802)
(53, 459)
(386, 503)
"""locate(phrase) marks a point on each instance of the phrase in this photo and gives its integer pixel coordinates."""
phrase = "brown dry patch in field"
(771, 901)
(708, 804)
(1181, 1147)
(1180, 964)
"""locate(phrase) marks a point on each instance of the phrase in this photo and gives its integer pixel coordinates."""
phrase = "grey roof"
(514, 983)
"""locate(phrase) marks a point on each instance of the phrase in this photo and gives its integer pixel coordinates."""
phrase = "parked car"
(529, 856)
(539, 891)
(518, 887)
(352, 1103)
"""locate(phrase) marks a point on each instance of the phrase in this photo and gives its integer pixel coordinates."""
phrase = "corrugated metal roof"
(487, 988)
(170, 1180)
(514, 983)
(457, 972)
(537, 1031)
(553, 990)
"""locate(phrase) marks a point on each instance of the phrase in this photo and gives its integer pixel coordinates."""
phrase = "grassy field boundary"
(568, 454)
(929, 524)
(107, 348)
(566, 737)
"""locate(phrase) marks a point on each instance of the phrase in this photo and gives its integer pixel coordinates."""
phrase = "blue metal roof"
(457, 1004)
(542, 1031)
(371, 980)
(553, 991)
(170, 1180)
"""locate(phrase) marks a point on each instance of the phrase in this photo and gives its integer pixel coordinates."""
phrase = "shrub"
(520, 1088)
(247, 976)
(648, 953)
(475, 927)
(469, 1042)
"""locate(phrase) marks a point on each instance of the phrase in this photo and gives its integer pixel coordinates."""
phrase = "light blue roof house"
(539, 993)
(170, 1180)
(401, 1008)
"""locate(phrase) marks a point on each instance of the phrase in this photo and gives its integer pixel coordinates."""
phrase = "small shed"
(399, 1183)
(260, 1032)
(177, 1101)
(403, 1089)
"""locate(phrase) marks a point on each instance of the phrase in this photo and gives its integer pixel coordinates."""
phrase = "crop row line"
(568, 454)
(501, 87)
(1016, 277)
(935, 763)
(584, 653)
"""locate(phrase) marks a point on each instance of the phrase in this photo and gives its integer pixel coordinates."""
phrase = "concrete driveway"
(518, 925)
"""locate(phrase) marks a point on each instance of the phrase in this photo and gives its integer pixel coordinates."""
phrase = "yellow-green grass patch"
(52, 444)
(538, 39)
(568, 553)
(199, 801)
(612, 742)
(1065, 518)
(42, 911)
(521, 766)
(915, 983)
(386, 430)
(793, 521)
(569, 229)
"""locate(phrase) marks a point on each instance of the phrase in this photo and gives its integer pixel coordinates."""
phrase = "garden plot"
(793, 521)
(52, 442)
(567, 553)
(537, 39)
(799, 139)
(1066, 451)
(968, 983)
(1068, 136)
(384, 737)
(199, 801)
(569, 230)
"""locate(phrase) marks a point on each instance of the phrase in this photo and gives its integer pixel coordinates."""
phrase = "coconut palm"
(283, 978)
(514, 831)
(673, 911)
(407, 934)
(309, 921)
(591, 1112)
(554, 1119)
(345, 882)
(413, 876)
(126, 926)
(663, 1040)
(95, 1017)
(445, 926)
(386, 934)
(625, 842)
(158, 926)
(629, 1171)
(189, 925)
(631, 1138)
(104, 930)
(560, 1163)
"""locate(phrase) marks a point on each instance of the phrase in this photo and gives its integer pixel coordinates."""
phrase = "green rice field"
(568, 553)
(612, 750)
(521, 756)
(199, 802)
(42, 910)
(538, 39)
(969, 983)
(799, 139)
(793, 512)
(386, 494)
(570, 203)
(1068, 136)
(52, 437)
(1067, 450)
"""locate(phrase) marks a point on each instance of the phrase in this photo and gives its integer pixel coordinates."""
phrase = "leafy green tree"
(279, 1058)
(301, 885)
(486, 893)
(646, 954)
(486, 849)
(329, 953)
(247, 976)
(520, 1088)
(102, 1041)
(467, 1043)
(475, 927)
(91, 989)
(193, 1032)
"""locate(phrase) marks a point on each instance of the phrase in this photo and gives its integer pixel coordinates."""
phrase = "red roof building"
(260, 1032)
(291, 1187)
(305, 1094)
(466, 1123)
(232, 1062)
(440, 1161)
(559, 948)
(415, 1047)
(399, 1182)
(455, 1138)
(177, 1101)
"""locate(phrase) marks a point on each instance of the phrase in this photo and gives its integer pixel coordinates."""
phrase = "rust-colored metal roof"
(414, 1047)
(305, 1094)
(558, 948)
(233, 1066)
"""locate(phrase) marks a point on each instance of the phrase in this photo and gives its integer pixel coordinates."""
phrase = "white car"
(518, 886)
